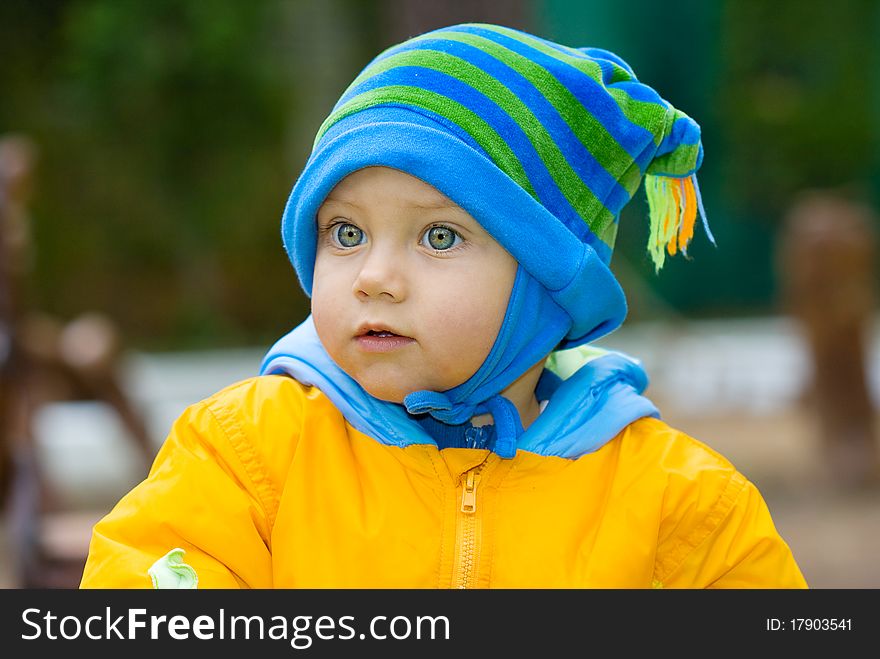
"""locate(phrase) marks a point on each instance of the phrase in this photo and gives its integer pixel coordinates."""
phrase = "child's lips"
(382, 341)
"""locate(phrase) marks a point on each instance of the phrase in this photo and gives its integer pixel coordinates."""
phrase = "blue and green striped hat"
(541, 143)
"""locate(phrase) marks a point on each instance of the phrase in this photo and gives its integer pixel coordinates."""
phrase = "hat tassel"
(673, 205)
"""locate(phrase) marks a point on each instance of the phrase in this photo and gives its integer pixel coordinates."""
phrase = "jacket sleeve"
(208, 494)
(734, 545)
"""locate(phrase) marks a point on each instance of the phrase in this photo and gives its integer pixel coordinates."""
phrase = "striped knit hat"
(541, 143)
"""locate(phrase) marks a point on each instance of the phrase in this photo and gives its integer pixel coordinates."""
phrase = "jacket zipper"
(469, 542)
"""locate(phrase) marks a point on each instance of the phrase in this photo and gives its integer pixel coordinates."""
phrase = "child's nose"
(381, 276)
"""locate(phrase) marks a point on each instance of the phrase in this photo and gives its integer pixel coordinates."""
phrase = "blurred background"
(147, 150)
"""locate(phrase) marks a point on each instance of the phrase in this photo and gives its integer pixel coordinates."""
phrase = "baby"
(440, 420)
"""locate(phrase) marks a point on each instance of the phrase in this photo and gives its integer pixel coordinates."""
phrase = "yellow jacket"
(265, 484)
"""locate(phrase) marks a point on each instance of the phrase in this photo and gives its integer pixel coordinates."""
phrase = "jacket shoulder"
(259, 419)
(657, 446)
(715, 529)
(258, 390)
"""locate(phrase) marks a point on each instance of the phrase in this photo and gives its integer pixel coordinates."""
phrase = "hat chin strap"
(508, 425)
(533, 326)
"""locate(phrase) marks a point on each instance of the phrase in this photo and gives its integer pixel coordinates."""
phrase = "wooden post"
(828, 272)
(17, 157)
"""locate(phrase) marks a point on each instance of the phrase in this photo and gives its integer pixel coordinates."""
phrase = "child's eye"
(347, 235)
(441, 238)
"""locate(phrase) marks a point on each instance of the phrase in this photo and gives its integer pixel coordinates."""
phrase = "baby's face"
(409, 291)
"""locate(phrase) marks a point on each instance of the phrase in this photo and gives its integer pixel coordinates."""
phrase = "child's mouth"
(382, 341)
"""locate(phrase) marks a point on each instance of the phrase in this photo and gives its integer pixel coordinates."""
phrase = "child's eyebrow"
(331, 198)
(436, 204)
(433, 204)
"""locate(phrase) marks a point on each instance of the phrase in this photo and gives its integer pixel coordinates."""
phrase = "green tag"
(171, 572)
(566, 362)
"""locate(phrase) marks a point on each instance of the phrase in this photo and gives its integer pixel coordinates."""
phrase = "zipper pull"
(469, 493)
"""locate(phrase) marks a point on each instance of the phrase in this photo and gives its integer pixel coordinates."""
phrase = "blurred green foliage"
(171, 131)
(801, 103)
(168, 142)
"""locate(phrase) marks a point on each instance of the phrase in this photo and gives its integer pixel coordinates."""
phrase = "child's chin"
(388, 394)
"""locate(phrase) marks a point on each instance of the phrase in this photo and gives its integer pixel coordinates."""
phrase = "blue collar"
(587, 408)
